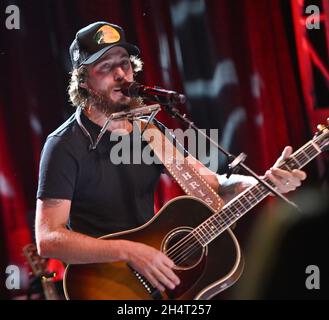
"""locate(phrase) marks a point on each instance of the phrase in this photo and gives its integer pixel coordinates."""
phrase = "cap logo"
(107, 34)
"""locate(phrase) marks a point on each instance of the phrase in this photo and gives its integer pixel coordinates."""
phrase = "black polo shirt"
(106, 197)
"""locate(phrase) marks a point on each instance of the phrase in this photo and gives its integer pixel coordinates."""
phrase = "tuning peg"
(321, 127)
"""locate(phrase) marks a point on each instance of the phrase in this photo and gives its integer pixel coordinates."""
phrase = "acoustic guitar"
(206, 253)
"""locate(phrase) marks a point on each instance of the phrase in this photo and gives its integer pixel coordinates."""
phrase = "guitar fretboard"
(239, 206)
(49, 290)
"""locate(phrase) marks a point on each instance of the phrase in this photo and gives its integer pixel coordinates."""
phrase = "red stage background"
(237, 61)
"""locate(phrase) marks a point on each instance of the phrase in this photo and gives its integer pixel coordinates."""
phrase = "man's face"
(106, 76)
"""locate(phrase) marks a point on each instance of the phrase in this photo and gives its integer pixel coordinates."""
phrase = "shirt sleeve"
(58, 170)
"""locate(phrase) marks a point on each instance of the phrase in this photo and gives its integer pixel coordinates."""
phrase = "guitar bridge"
(153, 292)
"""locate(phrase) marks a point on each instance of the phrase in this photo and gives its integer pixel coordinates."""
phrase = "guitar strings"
(223, 221)
(192, 236)
(188, 251)
(183, 241)
(183, 254)
(191, 248)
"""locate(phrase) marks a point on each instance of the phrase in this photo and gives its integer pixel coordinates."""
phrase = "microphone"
(155, 94)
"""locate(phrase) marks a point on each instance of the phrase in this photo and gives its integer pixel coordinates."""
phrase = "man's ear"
(83, 84)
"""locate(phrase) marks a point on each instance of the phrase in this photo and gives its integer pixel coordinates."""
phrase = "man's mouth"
(117, 89)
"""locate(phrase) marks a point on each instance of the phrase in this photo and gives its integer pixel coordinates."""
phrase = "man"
(81, 187)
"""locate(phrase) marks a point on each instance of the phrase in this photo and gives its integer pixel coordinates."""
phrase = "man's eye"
(106, 66)
(125, 63)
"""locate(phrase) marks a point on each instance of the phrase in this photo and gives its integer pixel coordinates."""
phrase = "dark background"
(239, 63)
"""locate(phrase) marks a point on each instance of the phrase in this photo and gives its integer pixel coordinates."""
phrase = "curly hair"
(80, 96)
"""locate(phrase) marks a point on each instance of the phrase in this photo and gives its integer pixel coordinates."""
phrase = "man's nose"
(119, 74)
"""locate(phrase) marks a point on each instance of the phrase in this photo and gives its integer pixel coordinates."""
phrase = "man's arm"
(230, 188)
(226, 188)
(285, 181)
(54, 240)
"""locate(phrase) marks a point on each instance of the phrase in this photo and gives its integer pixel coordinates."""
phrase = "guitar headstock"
(37, 263)
(321, 137)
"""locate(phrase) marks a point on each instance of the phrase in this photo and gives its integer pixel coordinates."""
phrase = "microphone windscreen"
(130, 89)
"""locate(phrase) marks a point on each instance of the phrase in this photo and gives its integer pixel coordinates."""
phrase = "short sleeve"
(58, 170)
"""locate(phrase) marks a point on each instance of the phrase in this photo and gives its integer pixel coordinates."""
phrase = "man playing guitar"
(82, 195)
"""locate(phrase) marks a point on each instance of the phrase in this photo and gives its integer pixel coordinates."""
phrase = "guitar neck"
(38, 266)
(49, 290)
(240, 205)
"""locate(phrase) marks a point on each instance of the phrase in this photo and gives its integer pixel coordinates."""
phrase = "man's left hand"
(285, 181)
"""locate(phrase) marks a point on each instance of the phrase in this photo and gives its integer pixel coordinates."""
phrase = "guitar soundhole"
(183, 248)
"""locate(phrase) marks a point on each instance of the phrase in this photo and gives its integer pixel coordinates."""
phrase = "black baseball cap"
(92, 41)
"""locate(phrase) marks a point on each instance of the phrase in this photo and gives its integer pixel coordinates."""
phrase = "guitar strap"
(180, 168)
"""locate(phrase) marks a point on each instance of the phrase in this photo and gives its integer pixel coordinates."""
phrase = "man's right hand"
(153, 264)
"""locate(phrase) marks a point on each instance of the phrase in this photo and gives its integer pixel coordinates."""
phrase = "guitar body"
(203, 274)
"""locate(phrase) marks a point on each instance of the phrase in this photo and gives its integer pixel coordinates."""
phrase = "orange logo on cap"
(107, 34)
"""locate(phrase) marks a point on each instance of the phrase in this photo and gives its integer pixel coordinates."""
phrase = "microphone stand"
(235, 162)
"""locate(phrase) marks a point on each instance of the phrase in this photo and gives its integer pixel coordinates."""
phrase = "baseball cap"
(92, 41)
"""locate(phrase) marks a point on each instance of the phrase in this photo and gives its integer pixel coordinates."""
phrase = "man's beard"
(106, 105)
